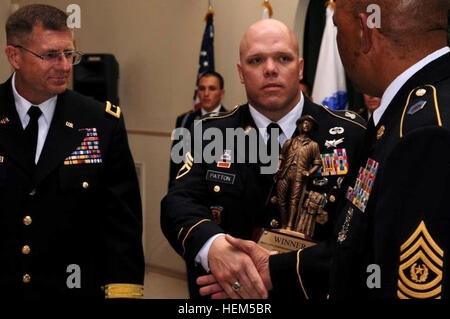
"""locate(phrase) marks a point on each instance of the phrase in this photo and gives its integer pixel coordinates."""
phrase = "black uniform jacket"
(207, 199)
(186, 120)
(392, 236)
(69, 229)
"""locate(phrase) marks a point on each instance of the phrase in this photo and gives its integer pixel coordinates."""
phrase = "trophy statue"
(299, 209)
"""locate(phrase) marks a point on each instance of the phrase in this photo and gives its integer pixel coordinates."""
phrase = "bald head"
(267, 28)
(270, 68)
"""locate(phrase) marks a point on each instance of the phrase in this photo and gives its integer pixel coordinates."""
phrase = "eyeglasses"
(72, 56)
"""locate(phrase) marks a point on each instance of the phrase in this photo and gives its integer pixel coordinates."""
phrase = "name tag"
(220, 177)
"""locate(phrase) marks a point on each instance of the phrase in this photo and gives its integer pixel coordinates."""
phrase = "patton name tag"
(220, 177)
(283, 241)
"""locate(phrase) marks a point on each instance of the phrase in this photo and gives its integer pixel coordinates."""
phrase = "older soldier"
(70, 215)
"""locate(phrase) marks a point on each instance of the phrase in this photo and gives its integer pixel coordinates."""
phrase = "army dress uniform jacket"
(73, 227)
(186, 120)
(207, 199)
(392, 239)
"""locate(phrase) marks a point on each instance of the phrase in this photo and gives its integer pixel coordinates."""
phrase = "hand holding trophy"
(298, 208)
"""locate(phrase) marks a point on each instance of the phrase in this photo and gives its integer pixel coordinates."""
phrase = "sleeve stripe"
(189, 231)
(300, 277)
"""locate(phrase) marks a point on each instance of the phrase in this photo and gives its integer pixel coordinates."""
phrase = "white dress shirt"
(216, 110)
(288, 125)
(48, 110)
(397, 84)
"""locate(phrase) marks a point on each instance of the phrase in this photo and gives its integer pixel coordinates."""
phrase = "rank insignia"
(225, 160)
(4, 120)
(417, 107)
(360, 193)
(2, 159)
(112, 109)
(186, 168)
(421, 264)
(88, 152)
(336, 130)
(335, 163)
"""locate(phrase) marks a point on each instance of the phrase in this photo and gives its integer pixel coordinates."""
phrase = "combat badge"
(360, 193)
(334, 143)
(186, 168)
(417, 107)
(88, 152)
(421, 264)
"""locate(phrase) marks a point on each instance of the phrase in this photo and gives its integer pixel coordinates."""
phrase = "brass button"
(217, 188)
(274, 223)
(274, 200)
(26, 250)
(26, 278)
(421, 92)
(27, 220)
(33, 192)
(332, 198)
(380, 132)
(85, 185)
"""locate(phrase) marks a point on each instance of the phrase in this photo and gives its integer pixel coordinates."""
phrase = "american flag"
(206, 60)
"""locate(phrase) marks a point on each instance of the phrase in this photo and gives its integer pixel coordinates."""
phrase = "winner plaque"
(299, 209)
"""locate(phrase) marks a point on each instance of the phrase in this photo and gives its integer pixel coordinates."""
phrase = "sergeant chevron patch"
(421, 263)
(186, 168)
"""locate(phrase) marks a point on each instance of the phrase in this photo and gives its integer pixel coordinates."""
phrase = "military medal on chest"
(299, 208)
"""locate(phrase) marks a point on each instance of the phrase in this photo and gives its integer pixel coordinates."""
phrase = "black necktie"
(31, 132)
(269, 141)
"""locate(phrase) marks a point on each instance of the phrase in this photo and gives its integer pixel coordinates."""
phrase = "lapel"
(11, 130)
(62, 139)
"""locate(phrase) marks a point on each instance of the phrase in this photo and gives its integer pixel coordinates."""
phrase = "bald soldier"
(392, 238)
(228, 195)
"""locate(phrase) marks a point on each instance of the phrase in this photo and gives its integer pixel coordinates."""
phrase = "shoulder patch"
(348, 116)
(112, 109)
(422, 97)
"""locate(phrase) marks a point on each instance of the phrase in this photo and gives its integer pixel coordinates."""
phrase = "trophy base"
(283, 240)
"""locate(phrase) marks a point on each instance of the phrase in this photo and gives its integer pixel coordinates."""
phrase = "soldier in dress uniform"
(208, 200)
(392, 238)
(210, 91)
(70, 215)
